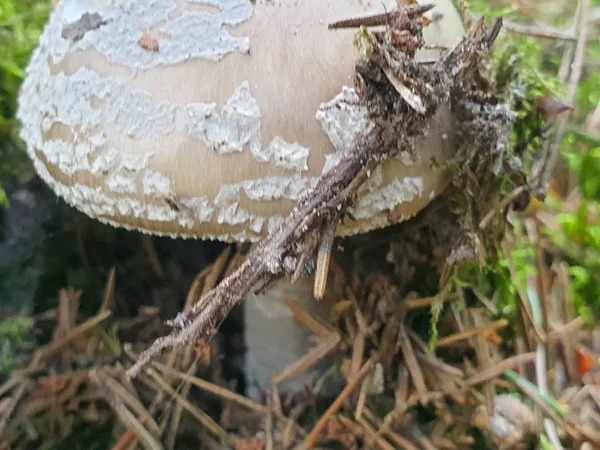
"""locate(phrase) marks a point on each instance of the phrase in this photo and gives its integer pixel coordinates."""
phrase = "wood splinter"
(382, 19)
(323, 258)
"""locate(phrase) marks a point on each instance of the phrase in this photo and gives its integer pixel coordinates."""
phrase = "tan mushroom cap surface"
(211, 118)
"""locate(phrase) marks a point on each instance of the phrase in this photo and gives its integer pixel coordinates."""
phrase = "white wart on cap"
(209, 118)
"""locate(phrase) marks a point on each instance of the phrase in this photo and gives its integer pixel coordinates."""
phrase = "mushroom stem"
(275, 339)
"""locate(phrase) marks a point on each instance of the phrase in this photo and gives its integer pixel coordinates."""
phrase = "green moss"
(13, 333)
(21, 23)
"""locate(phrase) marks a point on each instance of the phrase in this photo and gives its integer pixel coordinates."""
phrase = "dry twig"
(552, 147)
(537, 31)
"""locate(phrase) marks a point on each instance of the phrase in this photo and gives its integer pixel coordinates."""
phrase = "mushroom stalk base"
(275, 338)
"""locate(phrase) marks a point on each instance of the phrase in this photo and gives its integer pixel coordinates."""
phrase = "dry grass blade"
(309, 360)
(487, 328)
(195, 290)
(381, 19)
(358, 352)
(203, 283)
(490, 304)
(108, 300)
(75, 332)
(312, 438)
(68, 307)
(499, 368)
(418, 303)
(307, 319)
(439, 365)
(212, 388)
(148, 246)
(206, 280)
(524, 315)
(351, 298)
(401, 442)
(291, 426)
(125, 396)
(541, 304)
(569, 339)
(127, 418)
(126, 440)
(269, 427)
(11, 406)
(362, 399)
(216, 270)
(407, 94)
(323, 260)
(383, 429)
(483, 355)
(372, 436)
(200, 415)
(551, 148)
(501, 206)
(552, 409)
(143, 436)
(174, 425)
(537, 31)
(14, 380)
(411, 361)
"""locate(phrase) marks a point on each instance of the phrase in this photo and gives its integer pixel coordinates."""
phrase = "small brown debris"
(147, 42)
(172, 202)
(551, 106)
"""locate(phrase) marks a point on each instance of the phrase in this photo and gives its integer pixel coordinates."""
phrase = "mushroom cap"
(211, 118)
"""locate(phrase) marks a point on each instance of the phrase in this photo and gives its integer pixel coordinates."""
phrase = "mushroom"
(209, 119)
